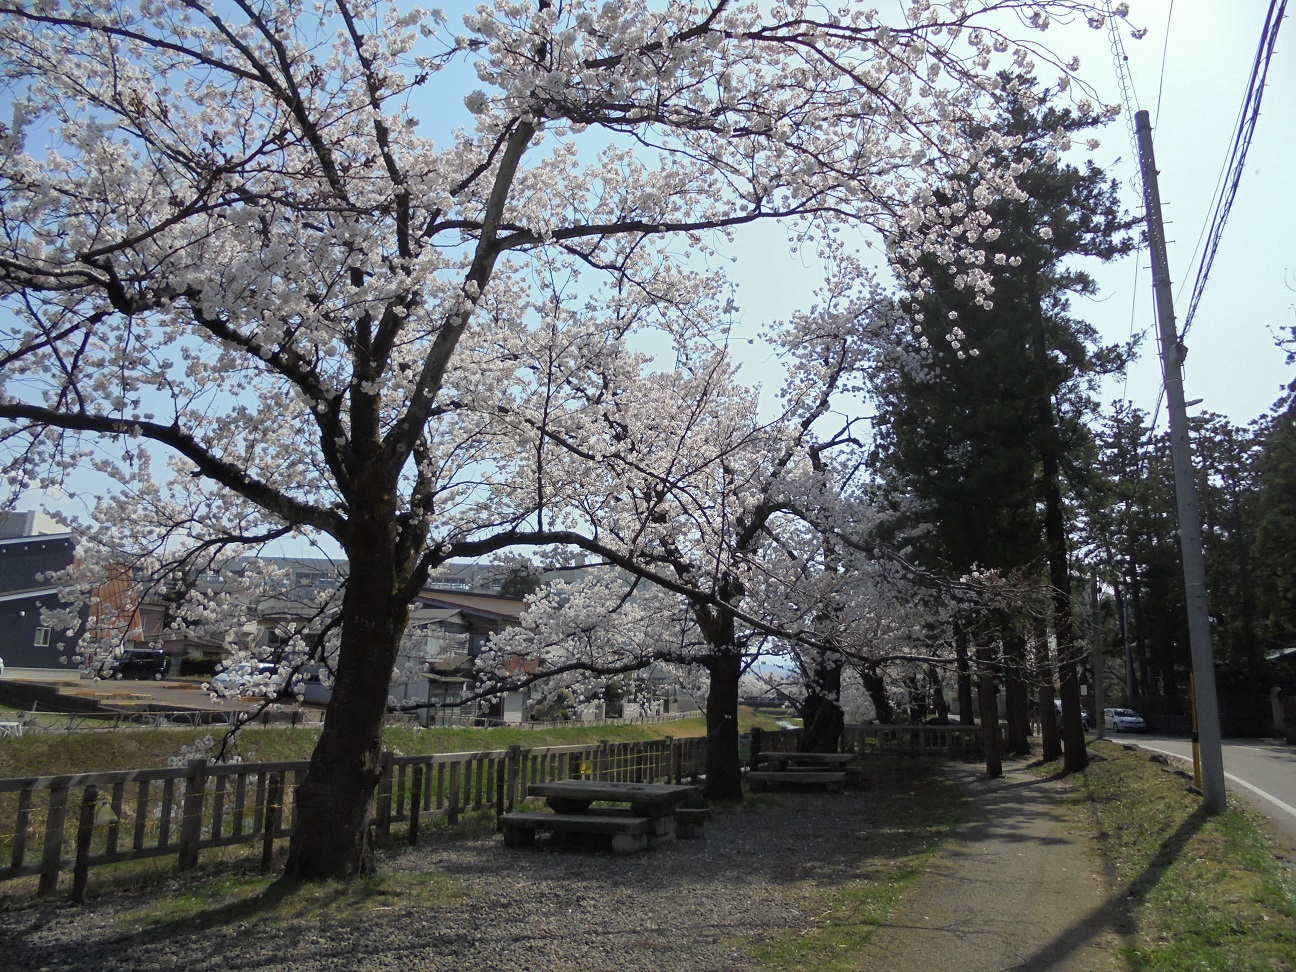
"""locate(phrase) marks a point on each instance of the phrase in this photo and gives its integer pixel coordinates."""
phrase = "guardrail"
(53, 824)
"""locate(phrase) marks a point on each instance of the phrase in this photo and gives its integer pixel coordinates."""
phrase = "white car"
(1123, 720)
(245, 678)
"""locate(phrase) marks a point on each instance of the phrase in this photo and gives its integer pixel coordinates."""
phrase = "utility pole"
(1096, 661)
(1206, 737)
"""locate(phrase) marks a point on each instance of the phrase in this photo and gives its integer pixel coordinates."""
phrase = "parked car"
(1123, 720)
(1084, 714)
(137, 663)
(246, 678)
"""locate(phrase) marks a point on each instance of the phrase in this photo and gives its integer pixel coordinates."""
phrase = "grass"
(916, 808)
(1207, 890)
(51, 753)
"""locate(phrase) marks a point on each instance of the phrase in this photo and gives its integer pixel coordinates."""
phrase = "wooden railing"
(52, 824)
(923, 740)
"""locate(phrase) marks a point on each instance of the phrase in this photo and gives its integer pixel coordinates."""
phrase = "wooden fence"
(924, 740)
(53, 824)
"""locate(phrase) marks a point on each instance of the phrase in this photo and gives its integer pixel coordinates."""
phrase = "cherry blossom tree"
(226, 241)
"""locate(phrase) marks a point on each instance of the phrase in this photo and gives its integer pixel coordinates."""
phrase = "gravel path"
(1020, 887)
(684, 906)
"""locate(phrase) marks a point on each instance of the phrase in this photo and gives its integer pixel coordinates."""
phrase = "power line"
(1250, 115)
(1120, 60)
(1165, 47)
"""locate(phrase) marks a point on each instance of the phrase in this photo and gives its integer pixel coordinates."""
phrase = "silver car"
(1123, 720)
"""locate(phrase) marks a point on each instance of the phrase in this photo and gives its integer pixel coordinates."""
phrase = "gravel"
(683, 906)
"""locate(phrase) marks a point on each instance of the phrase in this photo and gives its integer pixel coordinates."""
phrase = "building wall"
(22, 561)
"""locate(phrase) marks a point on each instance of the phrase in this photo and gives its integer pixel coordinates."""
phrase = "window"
(449, 584)
(42, 637)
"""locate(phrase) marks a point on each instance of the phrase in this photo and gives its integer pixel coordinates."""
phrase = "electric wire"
(1250, 115)
(1165, 50)
(1120, 60)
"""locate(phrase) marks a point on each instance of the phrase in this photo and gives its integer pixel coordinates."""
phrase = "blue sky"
(1190, 73)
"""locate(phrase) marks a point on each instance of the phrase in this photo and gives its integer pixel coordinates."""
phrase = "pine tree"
(985, 423)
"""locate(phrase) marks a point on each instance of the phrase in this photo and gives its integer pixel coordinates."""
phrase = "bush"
(205, 667)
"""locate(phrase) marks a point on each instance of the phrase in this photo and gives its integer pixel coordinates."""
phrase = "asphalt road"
(181, 695)
(1262, 771)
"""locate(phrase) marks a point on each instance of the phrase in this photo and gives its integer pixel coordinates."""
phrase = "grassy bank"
(50, 753)
(1207, 890)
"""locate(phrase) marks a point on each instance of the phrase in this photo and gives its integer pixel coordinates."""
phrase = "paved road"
(181, 695)
(1262, 771)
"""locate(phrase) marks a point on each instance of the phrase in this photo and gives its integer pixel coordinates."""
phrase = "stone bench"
(760, 780)
(689, 821)
(629, 833)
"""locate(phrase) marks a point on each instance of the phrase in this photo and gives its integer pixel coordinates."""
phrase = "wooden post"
(24, 822)
(382, 816)
(416, 802)
(55, 818)
(273, 813)
(456, 784)
(501, 772)
(756, 746)
(191, 821)
(514, 773)
(85, 832)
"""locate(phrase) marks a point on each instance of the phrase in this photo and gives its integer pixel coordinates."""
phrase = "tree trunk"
(1050, 741)
(334, 800)
(988, 704)
(1076, 757)
(938, 696)
(724, 768)
(875, 686)
(1016, 694)
(821, 713)
(963, 666)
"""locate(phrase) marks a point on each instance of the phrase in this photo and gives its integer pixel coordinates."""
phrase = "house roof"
(490, 605)
(28, 594)
(35, 538)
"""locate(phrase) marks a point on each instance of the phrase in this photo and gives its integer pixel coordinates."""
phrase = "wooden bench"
(689, 821)
(629, 833)
(832, 781)
(784, 761)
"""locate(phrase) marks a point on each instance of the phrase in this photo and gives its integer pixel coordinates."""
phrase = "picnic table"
(814, 769)
(652, 813)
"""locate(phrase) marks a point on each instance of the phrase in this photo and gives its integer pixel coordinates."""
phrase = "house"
(448, 630)
(26, 557)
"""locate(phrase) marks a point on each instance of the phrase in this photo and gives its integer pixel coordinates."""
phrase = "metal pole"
(1190, 540)
(1097, 663)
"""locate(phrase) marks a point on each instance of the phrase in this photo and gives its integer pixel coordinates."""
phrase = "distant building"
(450, 622)
(24, 559)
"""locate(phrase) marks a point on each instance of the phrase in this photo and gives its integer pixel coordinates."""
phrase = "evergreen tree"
(983, 424)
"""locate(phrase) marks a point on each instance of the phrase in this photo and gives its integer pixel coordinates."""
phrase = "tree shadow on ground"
(1115, 914)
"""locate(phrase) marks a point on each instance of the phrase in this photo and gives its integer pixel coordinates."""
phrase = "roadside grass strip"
(1207, 891)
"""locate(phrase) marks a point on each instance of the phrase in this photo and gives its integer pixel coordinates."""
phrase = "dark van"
(139, 663)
